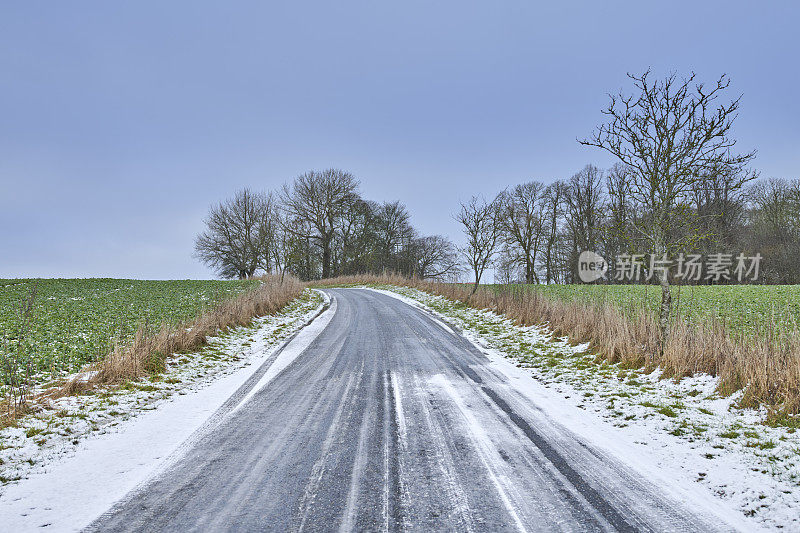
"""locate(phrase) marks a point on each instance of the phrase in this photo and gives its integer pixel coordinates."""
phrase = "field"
(740, 308)
(76, 321)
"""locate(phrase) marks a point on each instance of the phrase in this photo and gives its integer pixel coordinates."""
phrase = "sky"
(122, 122)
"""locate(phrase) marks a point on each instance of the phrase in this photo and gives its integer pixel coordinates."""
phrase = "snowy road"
(390, 420)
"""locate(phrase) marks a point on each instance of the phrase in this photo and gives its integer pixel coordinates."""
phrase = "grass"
(125, 329)
(745, 309)
(54, 422)
(78, 321)
(764, 363)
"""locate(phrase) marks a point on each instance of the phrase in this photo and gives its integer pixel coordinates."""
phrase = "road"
(391, 421)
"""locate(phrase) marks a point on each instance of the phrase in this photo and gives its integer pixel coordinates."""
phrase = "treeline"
(679, 187)
(542, 228)
(319, 226)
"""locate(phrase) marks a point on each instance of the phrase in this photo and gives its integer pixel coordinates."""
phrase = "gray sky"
(120, 123)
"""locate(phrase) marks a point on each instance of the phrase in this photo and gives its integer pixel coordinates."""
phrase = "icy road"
(390, 420)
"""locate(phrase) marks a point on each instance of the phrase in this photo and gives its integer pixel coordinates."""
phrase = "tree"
(356, 236)
(774, 229)
(479, 221)
(553, 212)
(669, 135)
(435, 257)
(719, 201)
(621, 212)
(584, 212)
(318, 200)
(239, 235)
(394, 232)
(521, 221)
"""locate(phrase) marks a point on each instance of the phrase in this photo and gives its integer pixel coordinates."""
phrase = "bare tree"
(479, 221)
(584, 212)
(775, 228)
(436, 257)
(669, 134)
(621, 211)
(521, 220)
(239, 235)
(394, 232)
(507, 267)
(356, 233)
(553, 208)
(285, 249)
(719, 202)
(319, 199)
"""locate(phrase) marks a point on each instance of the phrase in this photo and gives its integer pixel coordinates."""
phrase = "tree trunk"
(326, 259)
(665, 310)
(548, 275)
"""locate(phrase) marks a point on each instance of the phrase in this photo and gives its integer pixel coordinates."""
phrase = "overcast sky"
(121, 122)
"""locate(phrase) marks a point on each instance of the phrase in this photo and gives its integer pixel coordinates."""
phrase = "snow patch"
(683, 436)
(110, 446)
(291, 351)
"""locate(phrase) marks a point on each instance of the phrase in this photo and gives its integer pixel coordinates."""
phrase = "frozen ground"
(683, 430)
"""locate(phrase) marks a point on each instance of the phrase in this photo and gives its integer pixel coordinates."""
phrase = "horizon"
(122, 125)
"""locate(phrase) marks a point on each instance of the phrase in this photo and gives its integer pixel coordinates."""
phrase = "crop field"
(76, 321)
(745, 309)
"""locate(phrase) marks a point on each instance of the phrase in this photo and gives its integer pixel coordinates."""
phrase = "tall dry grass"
(766, 366)
(151, 345)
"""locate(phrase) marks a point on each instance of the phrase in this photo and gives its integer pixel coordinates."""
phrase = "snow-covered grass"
(684, 427)
(36, 441)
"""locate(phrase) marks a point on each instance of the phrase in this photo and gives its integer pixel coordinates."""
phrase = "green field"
(75, 321)
(741, 308)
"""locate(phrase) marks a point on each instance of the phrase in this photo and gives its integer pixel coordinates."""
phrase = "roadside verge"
(681, 433)
(110, 444)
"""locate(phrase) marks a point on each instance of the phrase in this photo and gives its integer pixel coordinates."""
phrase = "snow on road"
(438, 417)
(712, 476)
(390, 421)
(286, 356)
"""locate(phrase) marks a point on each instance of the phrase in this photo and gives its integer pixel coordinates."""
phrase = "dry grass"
(148, 351)
(150, 347)
(767, 368)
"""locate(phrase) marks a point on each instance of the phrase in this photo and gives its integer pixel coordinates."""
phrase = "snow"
(487, 451)
(75, 485)
(716, 476)
(285, 358)
(75, 467)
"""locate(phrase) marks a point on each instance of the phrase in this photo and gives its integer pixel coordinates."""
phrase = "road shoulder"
(676, 434)
(109, 444)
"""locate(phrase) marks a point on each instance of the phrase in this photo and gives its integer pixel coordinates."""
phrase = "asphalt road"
(390, 421)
